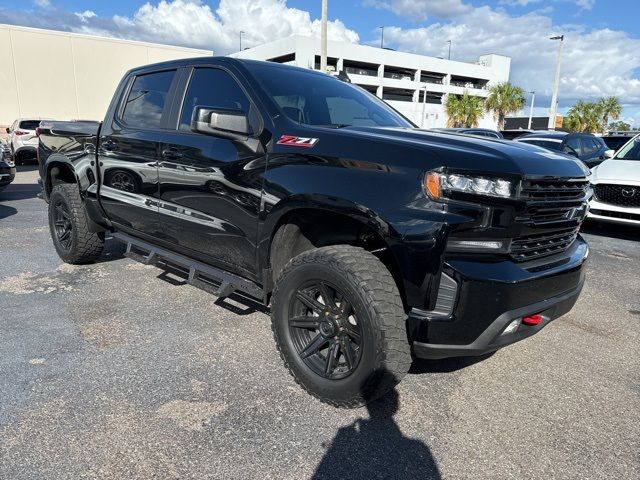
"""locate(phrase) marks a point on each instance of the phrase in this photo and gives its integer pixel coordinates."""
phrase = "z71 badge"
(292, 141)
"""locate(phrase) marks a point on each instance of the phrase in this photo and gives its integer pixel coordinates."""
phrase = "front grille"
(530, 247)
(549, 190)
(545, 215)
(621, 195)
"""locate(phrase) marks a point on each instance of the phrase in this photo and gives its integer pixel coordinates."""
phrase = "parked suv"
(372, 240)
(590, 149)
(616, 186)
(22, 140)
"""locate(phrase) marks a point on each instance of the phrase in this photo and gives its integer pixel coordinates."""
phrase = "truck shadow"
(20, 191)
(445, 365)
(377, 448)
(612, 230)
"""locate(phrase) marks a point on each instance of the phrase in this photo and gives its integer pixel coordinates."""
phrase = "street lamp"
(533, 99)
(556, 85)
(449, 55)
(241, 32)
(323, 38)
(381, 36)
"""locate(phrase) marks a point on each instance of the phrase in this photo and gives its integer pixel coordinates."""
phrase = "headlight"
(437, 185)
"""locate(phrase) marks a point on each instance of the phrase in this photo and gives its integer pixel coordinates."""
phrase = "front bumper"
(613, 213)
(7, 175)
(491, 295)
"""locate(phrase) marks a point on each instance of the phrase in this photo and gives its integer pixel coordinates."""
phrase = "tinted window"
(548, 144)
(317, 99)
(573, 145)
(631, 151)
(590, 145)
(29, 124)
(213, 88)
(147, 99)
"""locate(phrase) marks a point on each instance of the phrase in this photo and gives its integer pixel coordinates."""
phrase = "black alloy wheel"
(325, 330)
(62, 224)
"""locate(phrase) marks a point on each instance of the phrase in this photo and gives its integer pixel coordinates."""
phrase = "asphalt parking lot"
(116, 370)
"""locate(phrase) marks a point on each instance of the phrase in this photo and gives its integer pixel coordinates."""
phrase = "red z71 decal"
(292, 141)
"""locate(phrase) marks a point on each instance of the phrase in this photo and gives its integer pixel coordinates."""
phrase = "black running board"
(203, 276)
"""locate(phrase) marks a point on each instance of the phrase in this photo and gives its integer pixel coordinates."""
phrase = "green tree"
(619, 126)
(504, 99)
(584, 117)
(609, 107)
(463, 110)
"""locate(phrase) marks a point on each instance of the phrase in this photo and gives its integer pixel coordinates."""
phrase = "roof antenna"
(343, 76)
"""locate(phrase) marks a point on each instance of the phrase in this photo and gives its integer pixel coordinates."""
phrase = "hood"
(469, 153)
(617, 171)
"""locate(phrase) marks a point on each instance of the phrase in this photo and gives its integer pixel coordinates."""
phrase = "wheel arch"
(302, 226)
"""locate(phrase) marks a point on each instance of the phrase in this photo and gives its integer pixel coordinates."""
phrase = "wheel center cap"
(327, 328)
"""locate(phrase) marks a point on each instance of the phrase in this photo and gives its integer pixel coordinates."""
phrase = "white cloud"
(595, 62)
(42, 3)
(193, 23)
(420, 10)
(86, 15)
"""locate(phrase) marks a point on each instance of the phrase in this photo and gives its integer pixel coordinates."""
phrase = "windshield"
(631, 151)
(314, 99)
(548, 144)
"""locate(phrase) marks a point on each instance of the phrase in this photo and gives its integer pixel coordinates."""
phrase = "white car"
(616, 186)
(22, 140)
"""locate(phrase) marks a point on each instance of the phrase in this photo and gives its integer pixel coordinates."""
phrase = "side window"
(148, 99)
(590, 145)
(213, 88)
(573, 145)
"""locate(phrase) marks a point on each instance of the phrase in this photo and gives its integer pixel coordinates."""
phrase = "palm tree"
(463, 110)
(584, 117)
(504, 99)
(610, 107)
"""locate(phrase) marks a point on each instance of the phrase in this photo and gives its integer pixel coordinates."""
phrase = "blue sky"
(602, 48)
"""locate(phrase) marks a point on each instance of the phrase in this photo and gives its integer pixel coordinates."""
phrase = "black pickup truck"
(371, 240)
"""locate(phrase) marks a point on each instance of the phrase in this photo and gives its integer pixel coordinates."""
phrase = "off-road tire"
(85, 246)
(369, 285)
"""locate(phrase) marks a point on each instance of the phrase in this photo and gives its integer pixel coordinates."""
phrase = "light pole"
(556, 85)
(323, 38)
(241, 32)
(533, 99)
(381, 36)
(449, 55)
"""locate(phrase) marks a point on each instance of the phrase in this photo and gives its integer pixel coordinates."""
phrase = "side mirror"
(609, 153)
(231, 124)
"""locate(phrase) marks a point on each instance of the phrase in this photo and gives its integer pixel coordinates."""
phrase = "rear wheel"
(68, 224)
(339, 325)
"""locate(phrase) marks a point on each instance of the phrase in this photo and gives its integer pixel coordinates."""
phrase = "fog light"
(474, 245)
(512, 327)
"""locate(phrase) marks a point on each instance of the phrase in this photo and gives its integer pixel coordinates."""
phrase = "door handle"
(109, 145)
(171, 153)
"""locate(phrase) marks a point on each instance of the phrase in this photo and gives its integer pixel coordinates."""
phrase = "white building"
(60, 75)
(401, 79)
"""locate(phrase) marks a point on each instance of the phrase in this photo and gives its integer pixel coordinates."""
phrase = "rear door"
(129, 150)
(210, 187)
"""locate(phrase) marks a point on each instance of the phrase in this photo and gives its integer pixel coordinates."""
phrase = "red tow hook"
(532, 319)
